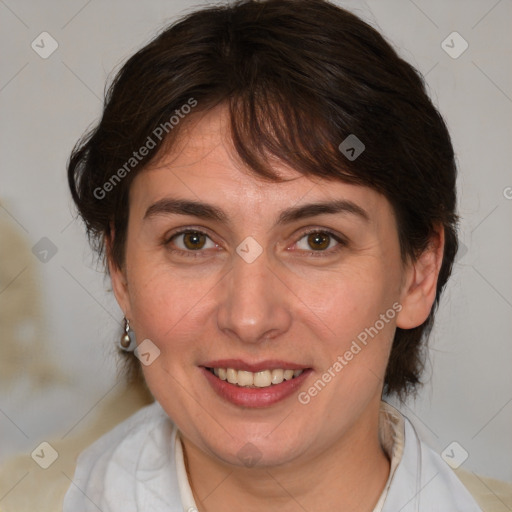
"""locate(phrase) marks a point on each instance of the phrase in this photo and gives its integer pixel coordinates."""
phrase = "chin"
(265, 448)
(257, 455)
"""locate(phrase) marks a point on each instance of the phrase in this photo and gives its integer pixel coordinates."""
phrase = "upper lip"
(240, 364)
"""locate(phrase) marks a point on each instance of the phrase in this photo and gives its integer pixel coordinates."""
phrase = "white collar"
(139, 466)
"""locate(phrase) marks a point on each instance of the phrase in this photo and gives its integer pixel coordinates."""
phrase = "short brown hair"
(299, 77)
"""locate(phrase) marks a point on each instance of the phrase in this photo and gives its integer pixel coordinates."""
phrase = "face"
(225, 270)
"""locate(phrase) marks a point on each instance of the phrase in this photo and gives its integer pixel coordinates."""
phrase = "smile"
(261, 379)
(255, 389)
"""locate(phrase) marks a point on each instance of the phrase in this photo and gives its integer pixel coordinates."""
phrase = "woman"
(274, 195)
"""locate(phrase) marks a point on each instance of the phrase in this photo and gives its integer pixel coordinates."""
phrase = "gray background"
(46, 104)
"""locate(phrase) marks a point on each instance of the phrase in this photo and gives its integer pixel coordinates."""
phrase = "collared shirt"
(139, 466)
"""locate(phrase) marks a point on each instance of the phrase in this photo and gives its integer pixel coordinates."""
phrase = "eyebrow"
(209, 212)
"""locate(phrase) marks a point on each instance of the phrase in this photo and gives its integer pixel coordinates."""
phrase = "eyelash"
(328, 252)
(195, 254)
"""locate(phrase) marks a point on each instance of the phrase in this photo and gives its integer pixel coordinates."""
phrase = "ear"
(420, 284)
(118, 279)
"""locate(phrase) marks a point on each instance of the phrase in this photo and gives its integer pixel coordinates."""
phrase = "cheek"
(360, 325)
(345, 301)
(355, 318)
(168, 304)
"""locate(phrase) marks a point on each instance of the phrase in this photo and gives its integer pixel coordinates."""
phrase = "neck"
(349, 475)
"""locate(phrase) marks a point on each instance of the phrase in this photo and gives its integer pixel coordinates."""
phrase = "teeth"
(262, 379)
(232, 376)
(277, 376)
(245, 378)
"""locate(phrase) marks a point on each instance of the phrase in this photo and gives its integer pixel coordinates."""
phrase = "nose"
(254, 303)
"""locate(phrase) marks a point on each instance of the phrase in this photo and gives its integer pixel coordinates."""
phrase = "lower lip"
(254, 397)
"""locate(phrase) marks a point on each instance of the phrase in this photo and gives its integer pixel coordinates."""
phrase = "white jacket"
(139, 467)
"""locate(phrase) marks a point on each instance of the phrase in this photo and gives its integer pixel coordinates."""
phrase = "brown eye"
(194, 240)
(191, 240)
(319, 241)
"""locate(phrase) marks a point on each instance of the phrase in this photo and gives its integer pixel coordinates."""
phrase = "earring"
(127, 341)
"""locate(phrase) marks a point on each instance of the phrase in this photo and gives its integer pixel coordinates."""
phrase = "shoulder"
(129, 467)
(486, 493)
(138, 425)
(424, 481)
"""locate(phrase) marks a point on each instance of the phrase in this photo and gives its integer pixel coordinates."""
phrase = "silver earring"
(127, 341)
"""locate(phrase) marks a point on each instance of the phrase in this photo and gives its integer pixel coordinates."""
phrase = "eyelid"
(341, 241)
(168, 237)
(185, 229)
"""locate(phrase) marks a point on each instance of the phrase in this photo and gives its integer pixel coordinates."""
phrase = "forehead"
(203, 165)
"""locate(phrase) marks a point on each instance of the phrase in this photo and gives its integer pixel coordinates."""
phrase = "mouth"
(260, 385)
(261, 379)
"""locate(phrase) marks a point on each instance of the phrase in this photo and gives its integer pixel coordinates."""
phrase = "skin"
(292, 303)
